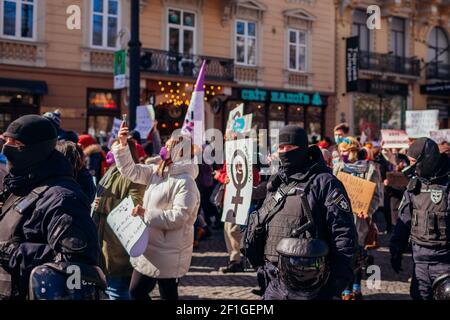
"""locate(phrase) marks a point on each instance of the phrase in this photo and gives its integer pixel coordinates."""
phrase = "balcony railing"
(179, 64)
(388, 63)
(438, 70)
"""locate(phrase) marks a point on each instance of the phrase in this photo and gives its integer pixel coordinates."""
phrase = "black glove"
(7, 249)
(396, 262)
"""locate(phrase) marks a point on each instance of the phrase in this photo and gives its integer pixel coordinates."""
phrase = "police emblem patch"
(436, 196)
(342, 203)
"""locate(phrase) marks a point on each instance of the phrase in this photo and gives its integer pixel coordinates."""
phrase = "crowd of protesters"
(182, 202)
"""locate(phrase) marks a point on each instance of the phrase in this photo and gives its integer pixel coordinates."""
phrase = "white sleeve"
(137, 173)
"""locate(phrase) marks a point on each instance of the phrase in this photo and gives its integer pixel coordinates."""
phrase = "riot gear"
(66, 281)
(441, 287)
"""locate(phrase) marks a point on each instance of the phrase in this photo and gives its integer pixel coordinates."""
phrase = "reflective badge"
(436, 196)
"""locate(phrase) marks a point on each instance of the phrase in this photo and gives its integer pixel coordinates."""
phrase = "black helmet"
(52, 281)
(303, 265)
(441, 287)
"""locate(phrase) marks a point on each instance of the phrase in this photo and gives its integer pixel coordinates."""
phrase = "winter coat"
(111, 190)
(171, 204)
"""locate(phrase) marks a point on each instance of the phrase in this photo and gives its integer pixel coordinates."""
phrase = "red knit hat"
(86, 140)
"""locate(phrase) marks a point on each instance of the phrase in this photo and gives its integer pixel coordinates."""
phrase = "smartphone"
(124, 119)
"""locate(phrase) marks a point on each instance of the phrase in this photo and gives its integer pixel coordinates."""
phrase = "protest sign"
(397, 139)
(242, 124)
(238, 191)
(144, 121)
(114, 131)
(420, 123)
(397, 180)
(360, 192)
(237, 112)
(131, 231)
(440, 136)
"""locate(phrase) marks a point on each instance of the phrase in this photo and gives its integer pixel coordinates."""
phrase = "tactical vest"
(13, 215)
(430, 220)
(289, 218)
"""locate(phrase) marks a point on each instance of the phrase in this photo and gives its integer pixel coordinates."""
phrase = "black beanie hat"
(294, 135)
(31, 129)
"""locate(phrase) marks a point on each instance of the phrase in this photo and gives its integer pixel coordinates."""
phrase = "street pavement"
(204, 281)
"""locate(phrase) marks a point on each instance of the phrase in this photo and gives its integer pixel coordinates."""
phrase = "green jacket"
(111, 190)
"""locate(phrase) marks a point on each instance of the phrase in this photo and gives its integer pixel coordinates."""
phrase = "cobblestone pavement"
(204, 281)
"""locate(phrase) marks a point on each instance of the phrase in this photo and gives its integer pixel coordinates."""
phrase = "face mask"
(20, 160)
(294, 161)
(163, 153)
(338, 139)
(345, 158)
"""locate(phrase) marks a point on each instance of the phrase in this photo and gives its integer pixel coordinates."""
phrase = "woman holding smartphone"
(170, 205)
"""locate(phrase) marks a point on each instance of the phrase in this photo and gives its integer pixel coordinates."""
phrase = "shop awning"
(25, 86)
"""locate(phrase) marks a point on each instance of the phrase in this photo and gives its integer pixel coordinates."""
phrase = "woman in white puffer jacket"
(170, 206)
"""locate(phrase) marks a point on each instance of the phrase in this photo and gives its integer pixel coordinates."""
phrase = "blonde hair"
(352, 146)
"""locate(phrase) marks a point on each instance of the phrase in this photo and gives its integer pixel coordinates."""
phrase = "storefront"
(103, 105)
(273, 109)
(18, 98)
(438, 98)
(378, 105)
(171, 100)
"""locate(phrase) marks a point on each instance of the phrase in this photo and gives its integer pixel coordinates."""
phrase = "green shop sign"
(281, 97)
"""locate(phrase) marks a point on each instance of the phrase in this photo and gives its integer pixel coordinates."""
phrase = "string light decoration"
(177, 94)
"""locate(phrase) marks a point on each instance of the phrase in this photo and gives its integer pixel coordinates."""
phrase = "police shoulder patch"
(338, 199)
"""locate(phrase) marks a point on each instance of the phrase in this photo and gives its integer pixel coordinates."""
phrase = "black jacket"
(59, 225)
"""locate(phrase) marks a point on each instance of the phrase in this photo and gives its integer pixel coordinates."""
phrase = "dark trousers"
(423, 276)
(208, 208)
(141, 286)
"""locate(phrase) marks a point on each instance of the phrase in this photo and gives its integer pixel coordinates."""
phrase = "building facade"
(275, 56)
(403, 65)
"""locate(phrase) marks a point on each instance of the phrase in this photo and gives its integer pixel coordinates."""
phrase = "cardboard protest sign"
(131, 231)
(238, 192)
(360, 192)
(397, 180)
(440, 136)
(395, 139)
(144, 121)
(420, 123)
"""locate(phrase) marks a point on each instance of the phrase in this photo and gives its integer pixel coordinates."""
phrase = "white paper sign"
(440, 136)
(144, 121)
(420, 123)
(238, 192)
(242, 124)
(131, 231)
(394, 139)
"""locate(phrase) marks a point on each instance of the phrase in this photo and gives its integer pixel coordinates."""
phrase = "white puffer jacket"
(171, 204)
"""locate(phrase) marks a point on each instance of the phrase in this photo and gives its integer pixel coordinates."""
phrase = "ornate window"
(245, 40)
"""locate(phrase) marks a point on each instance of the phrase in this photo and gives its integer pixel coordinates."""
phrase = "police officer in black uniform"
(424, 218)
(319, 261)
(44, 216)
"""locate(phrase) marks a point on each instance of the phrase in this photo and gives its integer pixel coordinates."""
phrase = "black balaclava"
(426, 152)
(39, 137)
(296, 160)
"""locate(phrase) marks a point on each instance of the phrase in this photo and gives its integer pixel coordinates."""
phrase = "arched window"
(438, 50)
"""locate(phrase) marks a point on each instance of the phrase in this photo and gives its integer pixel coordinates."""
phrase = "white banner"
(238, 191)
(440, 135)
(397, 139)
(420, 123)
(131, 231)
(144, 121)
